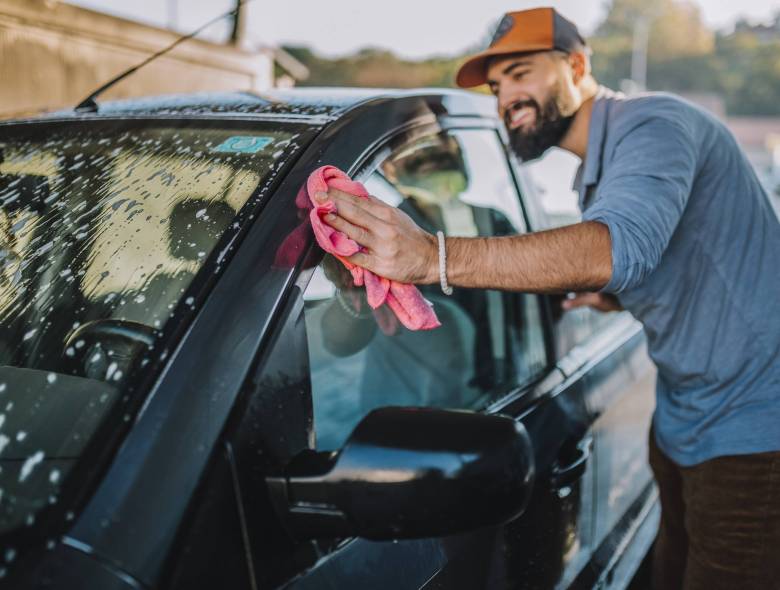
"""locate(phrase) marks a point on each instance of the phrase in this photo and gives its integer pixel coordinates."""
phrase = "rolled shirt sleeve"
(642, 196)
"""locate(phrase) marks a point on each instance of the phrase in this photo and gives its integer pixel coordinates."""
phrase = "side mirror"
(409, 473)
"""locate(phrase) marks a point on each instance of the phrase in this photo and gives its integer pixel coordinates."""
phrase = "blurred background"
(725, 56)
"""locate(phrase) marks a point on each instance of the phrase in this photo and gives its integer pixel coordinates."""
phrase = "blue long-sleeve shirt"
(696, 258)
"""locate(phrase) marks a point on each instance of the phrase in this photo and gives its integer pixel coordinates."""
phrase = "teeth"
(520, 114)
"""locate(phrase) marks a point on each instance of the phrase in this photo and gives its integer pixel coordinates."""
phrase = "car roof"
(315, 105)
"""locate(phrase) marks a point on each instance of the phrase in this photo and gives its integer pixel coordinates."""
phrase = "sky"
(413, 29)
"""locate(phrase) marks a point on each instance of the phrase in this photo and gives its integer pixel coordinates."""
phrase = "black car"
(193, 396)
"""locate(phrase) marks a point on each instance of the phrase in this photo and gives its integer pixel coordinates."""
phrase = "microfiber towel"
(405, 300)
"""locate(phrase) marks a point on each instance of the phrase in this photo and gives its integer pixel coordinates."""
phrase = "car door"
(492, 354)
(609, 351)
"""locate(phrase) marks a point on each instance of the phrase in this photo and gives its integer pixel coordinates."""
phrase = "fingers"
(354, 217)
(363, 259)
(353, 208)
(598, 301)
(581, 300)
(361, 235)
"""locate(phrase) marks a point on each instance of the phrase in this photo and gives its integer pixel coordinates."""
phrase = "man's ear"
(579, 65)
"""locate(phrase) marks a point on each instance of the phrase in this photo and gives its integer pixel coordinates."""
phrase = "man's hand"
(396, 248)
(598, 301)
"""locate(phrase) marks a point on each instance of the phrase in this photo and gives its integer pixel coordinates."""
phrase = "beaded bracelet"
(446, 289)
(348, 309)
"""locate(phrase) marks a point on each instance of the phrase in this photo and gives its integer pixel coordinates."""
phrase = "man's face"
(535, 99)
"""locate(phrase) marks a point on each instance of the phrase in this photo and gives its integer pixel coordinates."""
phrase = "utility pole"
(639, 53)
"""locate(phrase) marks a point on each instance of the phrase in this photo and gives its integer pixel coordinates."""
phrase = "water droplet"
(21, 435)
(51, 377)
(29, 465)
(54, 476)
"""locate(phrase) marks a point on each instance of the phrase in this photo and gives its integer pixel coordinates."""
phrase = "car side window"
(551, 178)
(361, 359)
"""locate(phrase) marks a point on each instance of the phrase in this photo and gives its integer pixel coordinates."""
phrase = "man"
(677, 229)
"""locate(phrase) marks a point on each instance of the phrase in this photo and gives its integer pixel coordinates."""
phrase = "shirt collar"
(590, 170)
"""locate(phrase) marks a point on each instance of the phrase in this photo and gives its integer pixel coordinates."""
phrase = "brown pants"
(720, 523)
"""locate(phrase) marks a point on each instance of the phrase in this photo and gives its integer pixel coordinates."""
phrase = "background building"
(53, 55)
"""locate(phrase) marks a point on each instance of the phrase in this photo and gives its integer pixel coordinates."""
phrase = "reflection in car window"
(102, 228)
(361, 359)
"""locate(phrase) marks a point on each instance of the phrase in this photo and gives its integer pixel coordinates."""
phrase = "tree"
(676, 27)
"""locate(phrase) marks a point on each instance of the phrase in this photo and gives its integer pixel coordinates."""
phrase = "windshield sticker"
(244, 144)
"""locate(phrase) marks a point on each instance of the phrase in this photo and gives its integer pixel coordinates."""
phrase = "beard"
(549, 128)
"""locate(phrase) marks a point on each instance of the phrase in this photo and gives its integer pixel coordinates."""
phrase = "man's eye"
(518, 75)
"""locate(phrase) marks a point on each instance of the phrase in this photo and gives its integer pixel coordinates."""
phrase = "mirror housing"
(409, 473)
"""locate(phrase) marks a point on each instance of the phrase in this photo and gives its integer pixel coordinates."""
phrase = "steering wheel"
(106, 349)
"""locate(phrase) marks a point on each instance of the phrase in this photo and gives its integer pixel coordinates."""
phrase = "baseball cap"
(537, 29)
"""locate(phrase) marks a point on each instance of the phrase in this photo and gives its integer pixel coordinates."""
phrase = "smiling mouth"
(518, 114)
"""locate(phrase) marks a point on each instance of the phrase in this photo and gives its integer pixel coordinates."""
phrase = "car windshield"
(103, 227)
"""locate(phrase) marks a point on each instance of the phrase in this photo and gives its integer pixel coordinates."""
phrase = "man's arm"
(573, 258)
(625, 232)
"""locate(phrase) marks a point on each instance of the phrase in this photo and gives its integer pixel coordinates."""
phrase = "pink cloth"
(405, 300)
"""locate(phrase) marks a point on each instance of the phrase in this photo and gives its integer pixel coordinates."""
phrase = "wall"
(52, 55)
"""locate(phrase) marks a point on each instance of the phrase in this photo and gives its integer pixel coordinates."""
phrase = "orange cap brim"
(474, 71)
